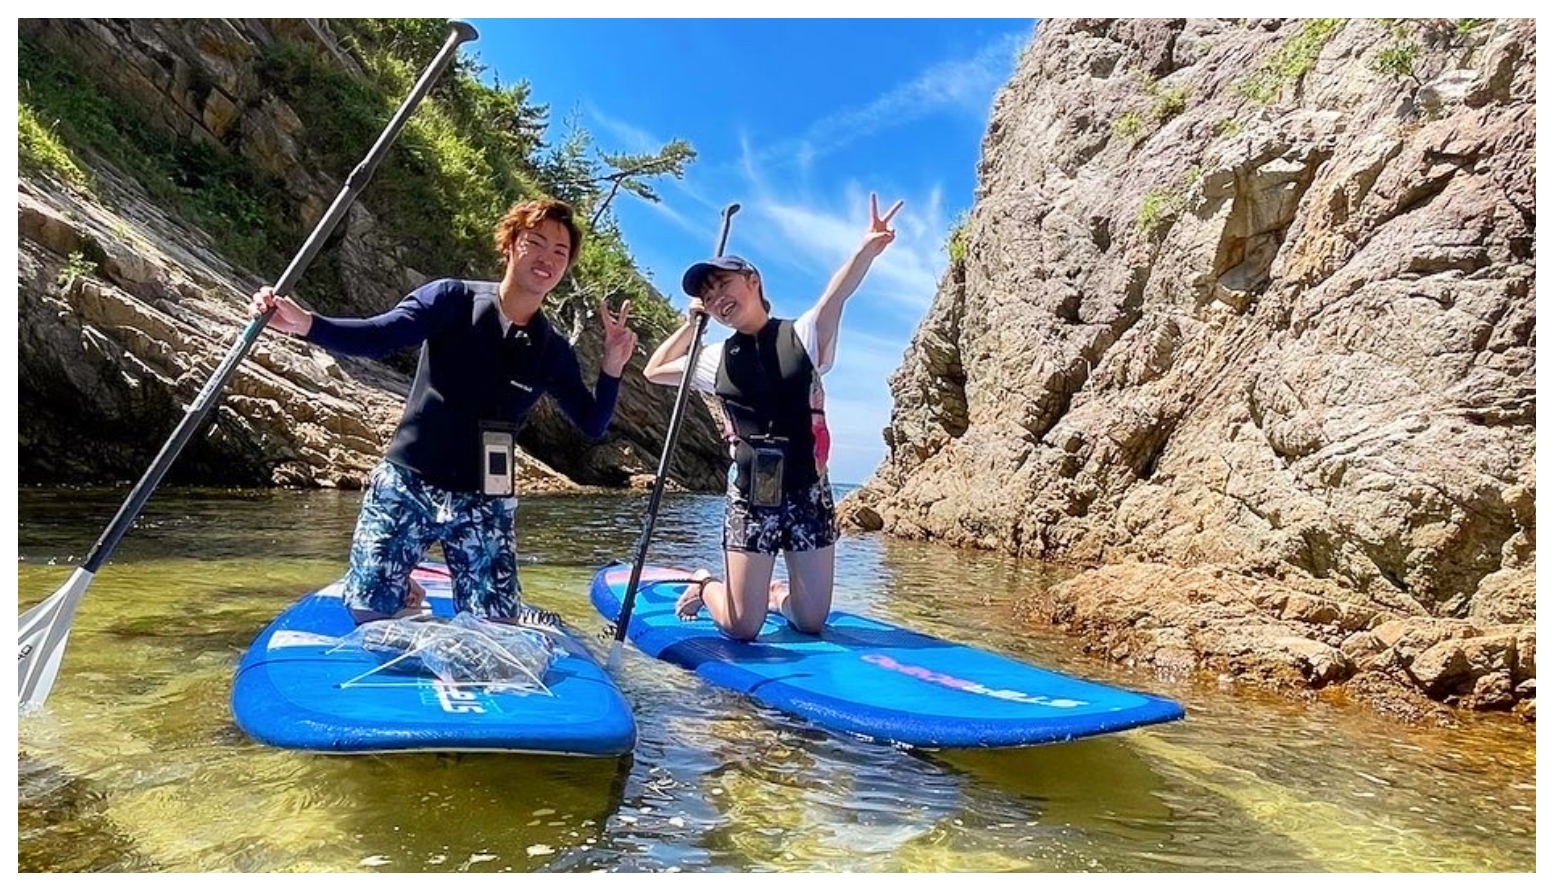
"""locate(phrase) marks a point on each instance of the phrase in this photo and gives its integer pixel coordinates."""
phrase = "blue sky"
(797, 120)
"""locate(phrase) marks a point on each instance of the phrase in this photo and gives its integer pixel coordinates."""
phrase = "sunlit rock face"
(1252, 295)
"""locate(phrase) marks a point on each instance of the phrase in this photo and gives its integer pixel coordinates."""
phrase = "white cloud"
(623, 137)
(668, 212)
(816, 239)
(871, 350)
(963, 85)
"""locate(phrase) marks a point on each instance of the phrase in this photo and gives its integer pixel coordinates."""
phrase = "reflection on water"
(136, 765)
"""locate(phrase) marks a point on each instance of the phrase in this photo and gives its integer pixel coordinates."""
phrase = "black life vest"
(475, 376)
(764, 383)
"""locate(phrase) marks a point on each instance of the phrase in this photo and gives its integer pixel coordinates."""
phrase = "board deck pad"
(876, 680)
(297, 688)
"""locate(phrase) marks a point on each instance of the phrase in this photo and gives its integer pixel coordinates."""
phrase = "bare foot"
(415, 596)
(777, 595)
(691, 600)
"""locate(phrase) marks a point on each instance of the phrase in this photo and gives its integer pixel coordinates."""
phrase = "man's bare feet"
(415, 596)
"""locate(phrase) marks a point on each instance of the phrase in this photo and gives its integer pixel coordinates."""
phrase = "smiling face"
(734, 298)
(539, 239)
(537, 258)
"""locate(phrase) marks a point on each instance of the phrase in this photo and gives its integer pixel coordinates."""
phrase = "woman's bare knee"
(808, 624)
(745, 628)
(807, 615)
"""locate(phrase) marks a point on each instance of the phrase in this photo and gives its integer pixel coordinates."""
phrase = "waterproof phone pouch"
(496, 462)
(766, 465)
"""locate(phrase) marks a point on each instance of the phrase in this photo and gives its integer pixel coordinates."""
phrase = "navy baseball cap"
(696, 276)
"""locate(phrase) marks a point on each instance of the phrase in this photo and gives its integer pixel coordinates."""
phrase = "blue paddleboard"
(297, 688)
(877, 680)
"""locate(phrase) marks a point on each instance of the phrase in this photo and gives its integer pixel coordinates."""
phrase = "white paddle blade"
(614, 662)
(44, 630)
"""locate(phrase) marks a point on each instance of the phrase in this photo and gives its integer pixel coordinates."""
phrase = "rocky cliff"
(1243, 319)
(124, 310)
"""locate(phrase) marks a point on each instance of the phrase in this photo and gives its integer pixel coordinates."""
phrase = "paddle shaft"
(45, 627)
(210, 395)
(629, 600)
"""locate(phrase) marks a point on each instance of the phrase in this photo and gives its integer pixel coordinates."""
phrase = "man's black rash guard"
(477, 372)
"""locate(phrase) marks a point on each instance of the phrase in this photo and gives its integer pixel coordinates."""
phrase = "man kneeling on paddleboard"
(767, 380)
(487, 356)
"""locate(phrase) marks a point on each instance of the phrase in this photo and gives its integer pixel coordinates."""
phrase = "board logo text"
(955, 683)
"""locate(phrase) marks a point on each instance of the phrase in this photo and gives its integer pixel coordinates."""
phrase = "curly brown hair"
(526, 215)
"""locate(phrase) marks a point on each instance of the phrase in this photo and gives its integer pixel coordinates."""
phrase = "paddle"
(46, 627)
(630, 598)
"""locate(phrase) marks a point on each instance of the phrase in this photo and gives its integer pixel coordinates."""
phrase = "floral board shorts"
(402, 515)
(804, 521)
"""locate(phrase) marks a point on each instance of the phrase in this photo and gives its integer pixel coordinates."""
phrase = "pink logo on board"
(955, 683)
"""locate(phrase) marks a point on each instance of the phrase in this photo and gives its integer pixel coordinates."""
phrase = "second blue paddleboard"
(876, 680)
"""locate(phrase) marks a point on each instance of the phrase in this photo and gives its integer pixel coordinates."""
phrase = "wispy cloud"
(800, 241)
(815, 238)
(875, 356)
(622, 135)
(955, 85)
(857, 437)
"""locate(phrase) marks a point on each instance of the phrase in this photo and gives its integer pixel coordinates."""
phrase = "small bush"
(1226, 127)
(1129, 127)
(39, 150)
(1397, 60)
(1160, 207)
(1168, 104)
(956, 244)
(76, 266)
(1290, 62)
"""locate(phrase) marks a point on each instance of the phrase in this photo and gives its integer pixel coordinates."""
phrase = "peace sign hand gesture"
(880, 235)
(619, 340)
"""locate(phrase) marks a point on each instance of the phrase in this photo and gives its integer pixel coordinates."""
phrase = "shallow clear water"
(136, 765)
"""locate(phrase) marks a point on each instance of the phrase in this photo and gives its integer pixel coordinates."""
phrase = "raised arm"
(591, 412)
(828, 309)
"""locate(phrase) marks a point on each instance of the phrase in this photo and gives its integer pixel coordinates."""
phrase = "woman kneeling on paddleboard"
(487, 356)
(767, 379)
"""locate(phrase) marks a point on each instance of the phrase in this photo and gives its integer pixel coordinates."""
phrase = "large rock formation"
(1253, 299)
(124, 311)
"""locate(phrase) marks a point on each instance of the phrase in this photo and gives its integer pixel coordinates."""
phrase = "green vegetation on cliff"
(470, 150)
